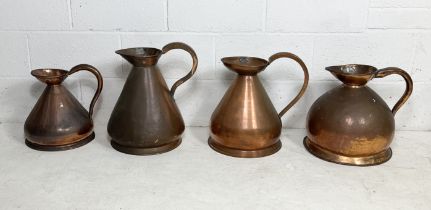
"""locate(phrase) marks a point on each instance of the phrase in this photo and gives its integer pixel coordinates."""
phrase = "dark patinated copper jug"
(351, 124)
(245, 122)
(146, 119)
(58, 121)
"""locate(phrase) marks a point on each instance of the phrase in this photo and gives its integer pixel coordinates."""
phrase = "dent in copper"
(351, 124)
(245, 122)
(146, 119)
(58, 121)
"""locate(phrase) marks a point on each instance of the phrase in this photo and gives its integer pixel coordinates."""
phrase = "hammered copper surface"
(146, 119)
(351, 124)
(245, 122)
(58, 121)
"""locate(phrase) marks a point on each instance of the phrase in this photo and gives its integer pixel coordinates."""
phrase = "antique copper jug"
(351, 124)
(58, 121)
(146, 119)
(245, 122)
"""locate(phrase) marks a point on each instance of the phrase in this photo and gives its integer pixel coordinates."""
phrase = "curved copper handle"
(304, 68)
(180, 45)
(409, 84)
(96, 73)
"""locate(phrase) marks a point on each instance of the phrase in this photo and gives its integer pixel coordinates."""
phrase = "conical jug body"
(351, 124)
(58, 121)
(245, 122)
(145, 119)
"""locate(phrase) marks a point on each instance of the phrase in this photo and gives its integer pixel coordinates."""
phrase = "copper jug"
(58, 121)
(146, 119)
(351, 124)
(245, 122)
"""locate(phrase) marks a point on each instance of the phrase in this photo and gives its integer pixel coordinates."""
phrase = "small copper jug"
(351, 124)
(58, 121)
(146, 119)
(245, 122)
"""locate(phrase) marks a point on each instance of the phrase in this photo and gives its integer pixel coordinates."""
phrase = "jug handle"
(409, 84)
(96, 73)
(306, 77)
(185, 47)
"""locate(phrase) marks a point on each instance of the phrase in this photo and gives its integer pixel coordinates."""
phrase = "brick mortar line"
(265, 16)
(69, 8)
(401, 8)
(365, 32)
(28, 51)
(214, 63)
(167, 14)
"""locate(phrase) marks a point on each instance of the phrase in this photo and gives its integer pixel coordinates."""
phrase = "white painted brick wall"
(378, 48)
(14, 55)
(400, 3)
(65, 50)
(64, 33)
(119, 15)
(316, 15)
(411, 18)
(34, 15)
(220, 15)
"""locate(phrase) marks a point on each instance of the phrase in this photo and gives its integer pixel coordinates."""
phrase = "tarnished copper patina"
(245, 122)
(58, 121)
(146, 119)
(351, 124)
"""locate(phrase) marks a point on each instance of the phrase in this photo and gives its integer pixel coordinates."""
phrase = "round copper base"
(60, 147)
(327, 155)
(244, 153)
(145, 150)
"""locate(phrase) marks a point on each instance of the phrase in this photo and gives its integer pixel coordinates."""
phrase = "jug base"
(145, 150)
(74, 145)
(327, 155)
(244, 153)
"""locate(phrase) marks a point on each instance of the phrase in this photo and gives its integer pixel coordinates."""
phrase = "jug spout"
(353, 74)
(141, 56)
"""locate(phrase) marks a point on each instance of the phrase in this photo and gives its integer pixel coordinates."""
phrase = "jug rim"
(234, 58)
(353, 74)
(246, 65)
(363, 69)
(48, 73)
(139, 52)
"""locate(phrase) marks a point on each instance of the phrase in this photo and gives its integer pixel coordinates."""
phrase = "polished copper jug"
(58, 121)
(351, 124)
(146, 119)
(245, 122)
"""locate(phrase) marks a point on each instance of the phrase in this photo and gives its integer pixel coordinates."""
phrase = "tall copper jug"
(58, 121)
(245, 122)
(351, 124)
(146, 119)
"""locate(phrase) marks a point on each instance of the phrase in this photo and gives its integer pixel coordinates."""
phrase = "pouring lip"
(47, 73)
(359, 69)
(139, 52)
